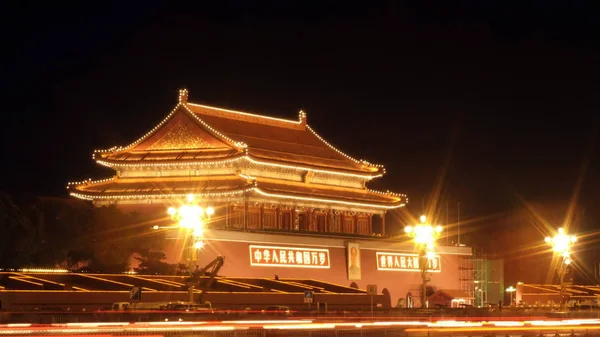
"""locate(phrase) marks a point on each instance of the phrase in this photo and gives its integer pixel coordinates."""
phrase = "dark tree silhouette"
(17, 235)
(49, 232)
(153, 263)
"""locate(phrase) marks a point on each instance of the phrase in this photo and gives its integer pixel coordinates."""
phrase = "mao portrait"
(354, 273)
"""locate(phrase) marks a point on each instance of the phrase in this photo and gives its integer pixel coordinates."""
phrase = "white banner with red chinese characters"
(406, 262)
(274, 256)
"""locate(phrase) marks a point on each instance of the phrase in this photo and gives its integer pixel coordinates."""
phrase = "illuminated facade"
(268, 178)
(260, 173)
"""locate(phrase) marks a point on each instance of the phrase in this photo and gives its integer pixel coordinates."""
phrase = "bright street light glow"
(191, 217)
(562, 243)
(511, 291)
(424, 236)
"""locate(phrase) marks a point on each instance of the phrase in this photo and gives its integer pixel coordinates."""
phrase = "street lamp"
(561, 244)
(191, 218)
(511, 290)
(424, 236)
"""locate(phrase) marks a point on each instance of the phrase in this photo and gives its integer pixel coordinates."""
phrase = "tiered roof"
(199, 135)
(231, 185)
(195, 133)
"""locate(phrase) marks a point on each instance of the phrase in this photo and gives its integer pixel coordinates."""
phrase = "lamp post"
(191, 218)
(561, 244)
(424, 236)
(511, 290)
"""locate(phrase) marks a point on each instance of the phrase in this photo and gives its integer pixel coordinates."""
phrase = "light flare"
(424, 235)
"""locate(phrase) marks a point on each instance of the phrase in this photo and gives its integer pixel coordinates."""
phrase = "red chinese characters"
(406, 262)
(272, 256)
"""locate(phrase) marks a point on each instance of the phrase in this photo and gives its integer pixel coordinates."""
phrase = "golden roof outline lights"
(254, 188)
(145, 136)
(237, 144)
(248, 114)
(182, 97)
(89, 181)
(329, 201)
(363, 162)
(302, 117)
(175, 164)
(190, 113)
(238, 158)
(182, 103)
(157, 196)
(394, 194)
(306, 168)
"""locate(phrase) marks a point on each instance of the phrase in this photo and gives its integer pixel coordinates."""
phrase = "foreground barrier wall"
(77, 300)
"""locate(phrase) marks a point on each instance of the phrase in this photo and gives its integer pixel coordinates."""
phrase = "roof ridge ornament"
(302, 117)
(183, 96)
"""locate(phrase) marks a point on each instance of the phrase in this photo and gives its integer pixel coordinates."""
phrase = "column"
(245, 214)
(227, 212)
(294, 226)
(262, 216)
(278, 217)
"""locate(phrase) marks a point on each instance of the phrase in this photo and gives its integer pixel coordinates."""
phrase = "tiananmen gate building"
(286, 202)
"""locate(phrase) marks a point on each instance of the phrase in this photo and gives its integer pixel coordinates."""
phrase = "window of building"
(285, 220)
(303, 222)
(363, 225)
(321, 221)
(253, 218)
(348, 224)
(237, 217)
(377, 224)
(336, 223)
(270, 219)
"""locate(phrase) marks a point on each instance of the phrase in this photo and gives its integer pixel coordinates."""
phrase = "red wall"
(398, 283)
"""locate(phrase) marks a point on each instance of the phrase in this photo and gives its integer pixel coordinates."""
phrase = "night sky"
(504, 96)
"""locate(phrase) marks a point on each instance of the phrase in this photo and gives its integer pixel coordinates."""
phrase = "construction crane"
(211, 270)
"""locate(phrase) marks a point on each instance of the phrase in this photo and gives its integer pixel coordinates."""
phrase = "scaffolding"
(477, 278)
(480, 278)
(466, 278)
